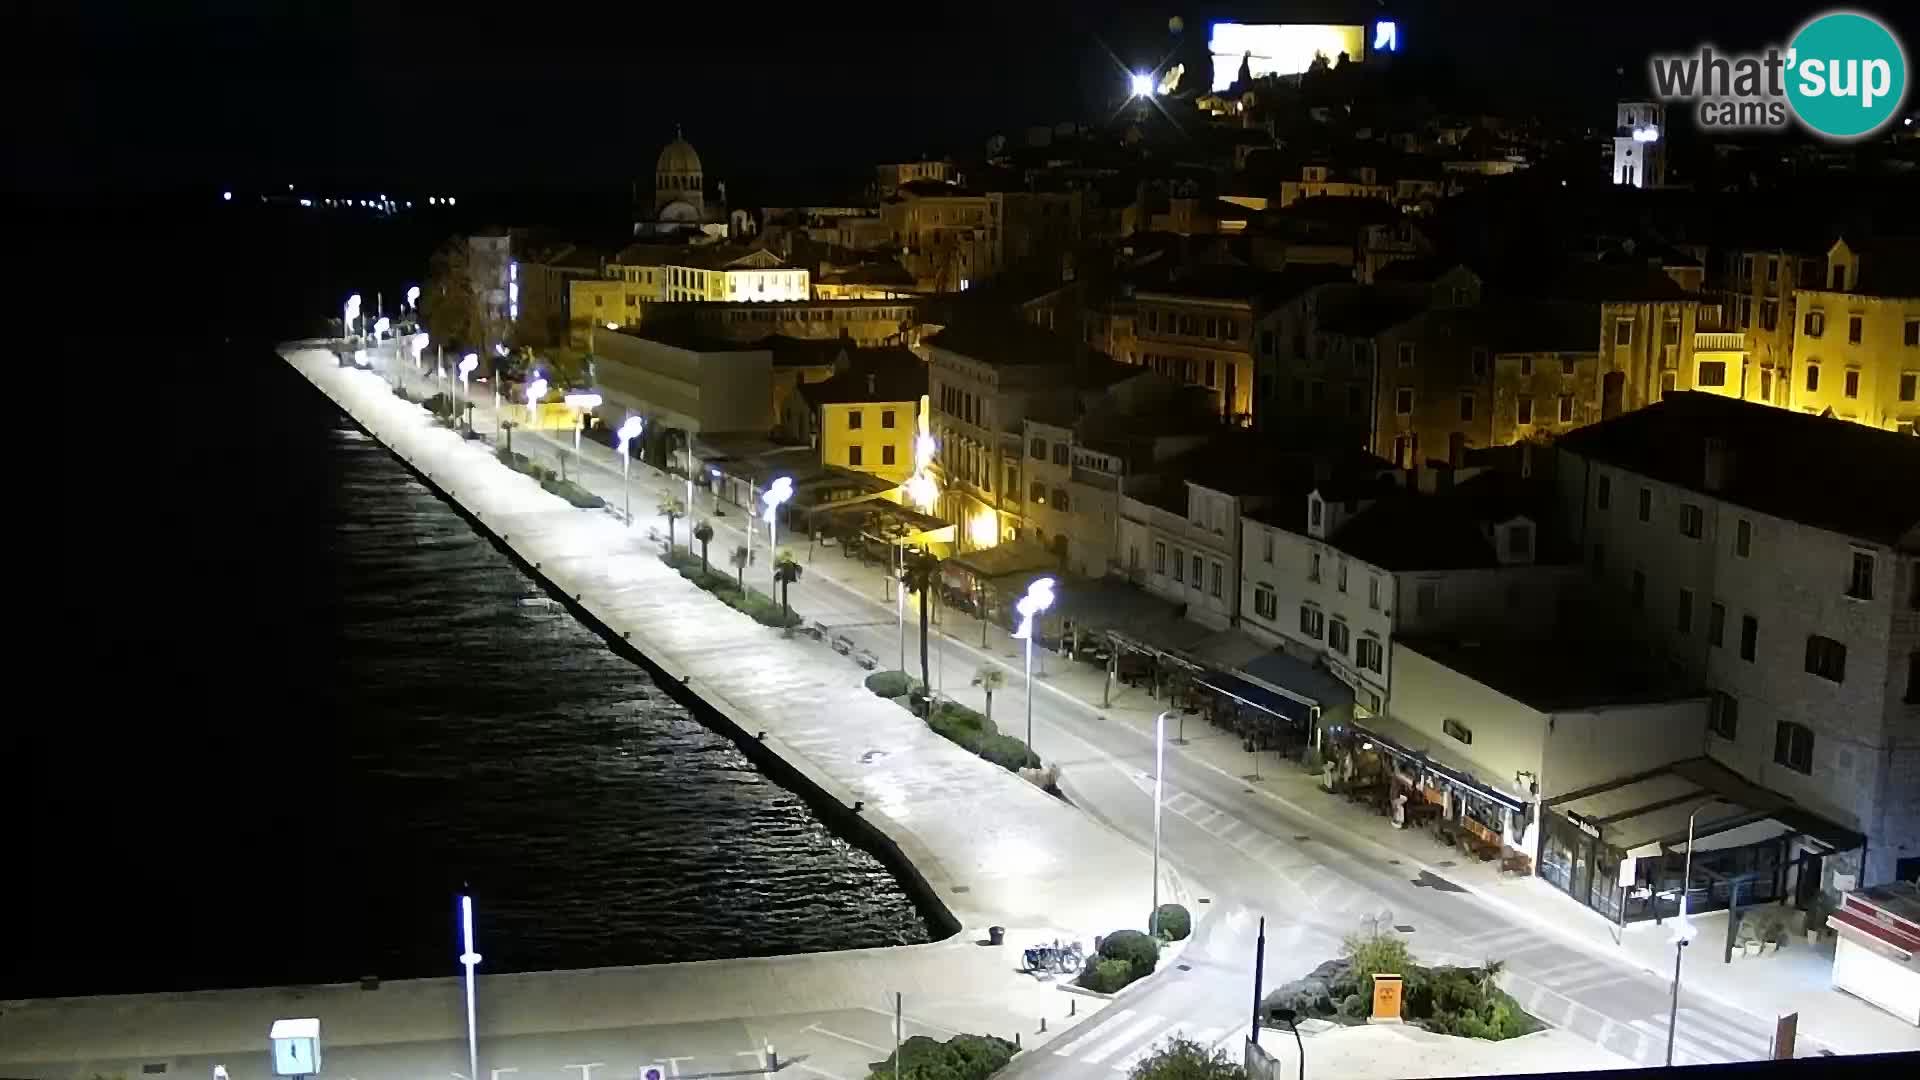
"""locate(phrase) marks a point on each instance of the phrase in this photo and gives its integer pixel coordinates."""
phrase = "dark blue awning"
(1285, 706)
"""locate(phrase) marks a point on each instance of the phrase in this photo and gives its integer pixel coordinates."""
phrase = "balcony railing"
(1720, 341)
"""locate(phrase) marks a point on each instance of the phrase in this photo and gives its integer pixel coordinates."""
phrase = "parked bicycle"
(1059, 958)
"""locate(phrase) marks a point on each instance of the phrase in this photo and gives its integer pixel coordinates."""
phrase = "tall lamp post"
(469, 959)
(1038, 599)
(1159, 781)
(580, 404)
(777, 492)
(1683, 931)
(467, 364)
(348, 314)
(536, 390)
(629, 430)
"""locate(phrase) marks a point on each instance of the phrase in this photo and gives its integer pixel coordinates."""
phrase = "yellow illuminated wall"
(1272, 49)
(839, 437)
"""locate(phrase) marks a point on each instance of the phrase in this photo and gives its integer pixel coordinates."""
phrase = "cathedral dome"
(678, 159)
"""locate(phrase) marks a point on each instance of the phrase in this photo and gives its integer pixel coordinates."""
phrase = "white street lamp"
(469, 959)
(380, 326)
(352, 312)
(1159, 781)
(777, 492)
(1038, 599)
(713, 488)
(467, 364)
(686, 443)
(1683, 930)
(630, 430)
(536, 390)
(413, 294)
(580, 403)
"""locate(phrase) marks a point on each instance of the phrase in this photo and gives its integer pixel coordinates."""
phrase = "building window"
(1060, 501)
(1566, 365)
(1692, 522)
(1403, 401)
(887, 454)
(1909, 384)
(853, 419)
(1466, 407)
(1852, 383)
(1457, 730)
(1196, 570)
(1639, 588)
(1038, 449)
(1340, 576)
(1405, 354)
(1723, 715)
(1368, 653)
(1337, 636)
(1667, 383)
(1853, 329)
(1312, 620)
(1062, 453)
(1566, 408)
(853, 456)
(1743, 538)
(1179, 565)
(1523, 410)
(1216, 576)
(1814, 324)
(1313, 567)
(1037, 493)
(1860, 577)
(1480, 364)
(1266, 546)
(1159, 557)
(1793, 746)
(1683, 618)
(886, 418)
(1526, 367)
(1623, 332)
(1265, 604)
(1749, 637)
(1646, 504)
(1813, 377)
(1716, 624)
(1373, 592)
(1826, 658)
(1712, 373)
(1603, 492)
(1910, 333)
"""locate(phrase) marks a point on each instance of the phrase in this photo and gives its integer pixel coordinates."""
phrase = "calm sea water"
(314, 705)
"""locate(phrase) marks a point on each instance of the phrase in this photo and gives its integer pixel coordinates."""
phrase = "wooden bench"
(1517, 864)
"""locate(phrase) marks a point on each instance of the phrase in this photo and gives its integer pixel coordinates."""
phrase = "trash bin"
(996, 935)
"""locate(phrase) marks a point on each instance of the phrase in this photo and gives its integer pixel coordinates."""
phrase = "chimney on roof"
(1717, 469)
(872, 384)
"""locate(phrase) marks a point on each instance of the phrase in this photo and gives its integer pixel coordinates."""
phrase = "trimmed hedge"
(963, 1057)
(1107, 976)
(1173, 922)
(762, 608)
(549, 480)
(1136, 948)
(889, 684)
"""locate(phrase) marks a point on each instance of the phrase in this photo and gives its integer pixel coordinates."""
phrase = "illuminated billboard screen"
(1276, 49)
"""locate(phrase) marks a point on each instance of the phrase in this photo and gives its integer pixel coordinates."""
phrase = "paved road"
(1244, 856)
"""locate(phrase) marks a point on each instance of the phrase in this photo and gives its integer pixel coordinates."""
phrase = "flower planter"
(1753, 948)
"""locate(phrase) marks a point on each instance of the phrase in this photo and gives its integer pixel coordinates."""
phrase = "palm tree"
(989, 678)
(921, 572)
(703, 532)
(786, 571)
(739, 560)
(672, 509)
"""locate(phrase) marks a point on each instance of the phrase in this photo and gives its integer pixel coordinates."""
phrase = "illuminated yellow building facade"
(868, 415)
(592, 303)
(1857, 343)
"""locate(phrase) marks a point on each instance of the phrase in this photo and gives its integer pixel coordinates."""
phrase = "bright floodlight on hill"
(1141, 84)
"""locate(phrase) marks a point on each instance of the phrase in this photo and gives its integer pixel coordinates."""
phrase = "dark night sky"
(130, 94)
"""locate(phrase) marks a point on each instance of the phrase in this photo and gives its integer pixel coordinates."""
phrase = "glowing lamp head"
(380, 326)
(413, 296)
(536, 390)
(613, 326)
(1038, 599)
(468, 363)
(226, 196)
(1140, 84)
(1648, 134)
(630, 430)
(583, 401)
(777, 492)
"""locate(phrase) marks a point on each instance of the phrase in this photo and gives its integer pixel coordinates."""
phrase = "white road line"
(816, 1071)
(1684, 1045)
(1093, 1033)
(908, 1018)
(1721, 1031)
(1126, 1064)
(818, 1030)
(1125, 1038)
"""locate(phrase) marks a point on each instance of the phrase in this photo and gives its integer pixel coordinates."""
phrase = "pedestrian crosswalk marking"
(1123, 1039)
(1126, 1064)
(1093, 1032)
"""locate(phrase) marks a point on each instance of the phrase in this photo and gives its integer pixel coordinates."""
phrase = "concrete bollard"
(1043, 1025)
(1073, 1007)
(1016, 1040)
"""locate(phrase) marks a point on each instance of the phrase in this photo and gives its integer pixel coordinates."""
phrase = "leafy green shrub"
(1009, 753)
(963, 1057)
(1173, 922)
(1370, 954)
(1106, 976)
(1136, 948)
(889, 684)
(1355, 1007)
(1179, 1058)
